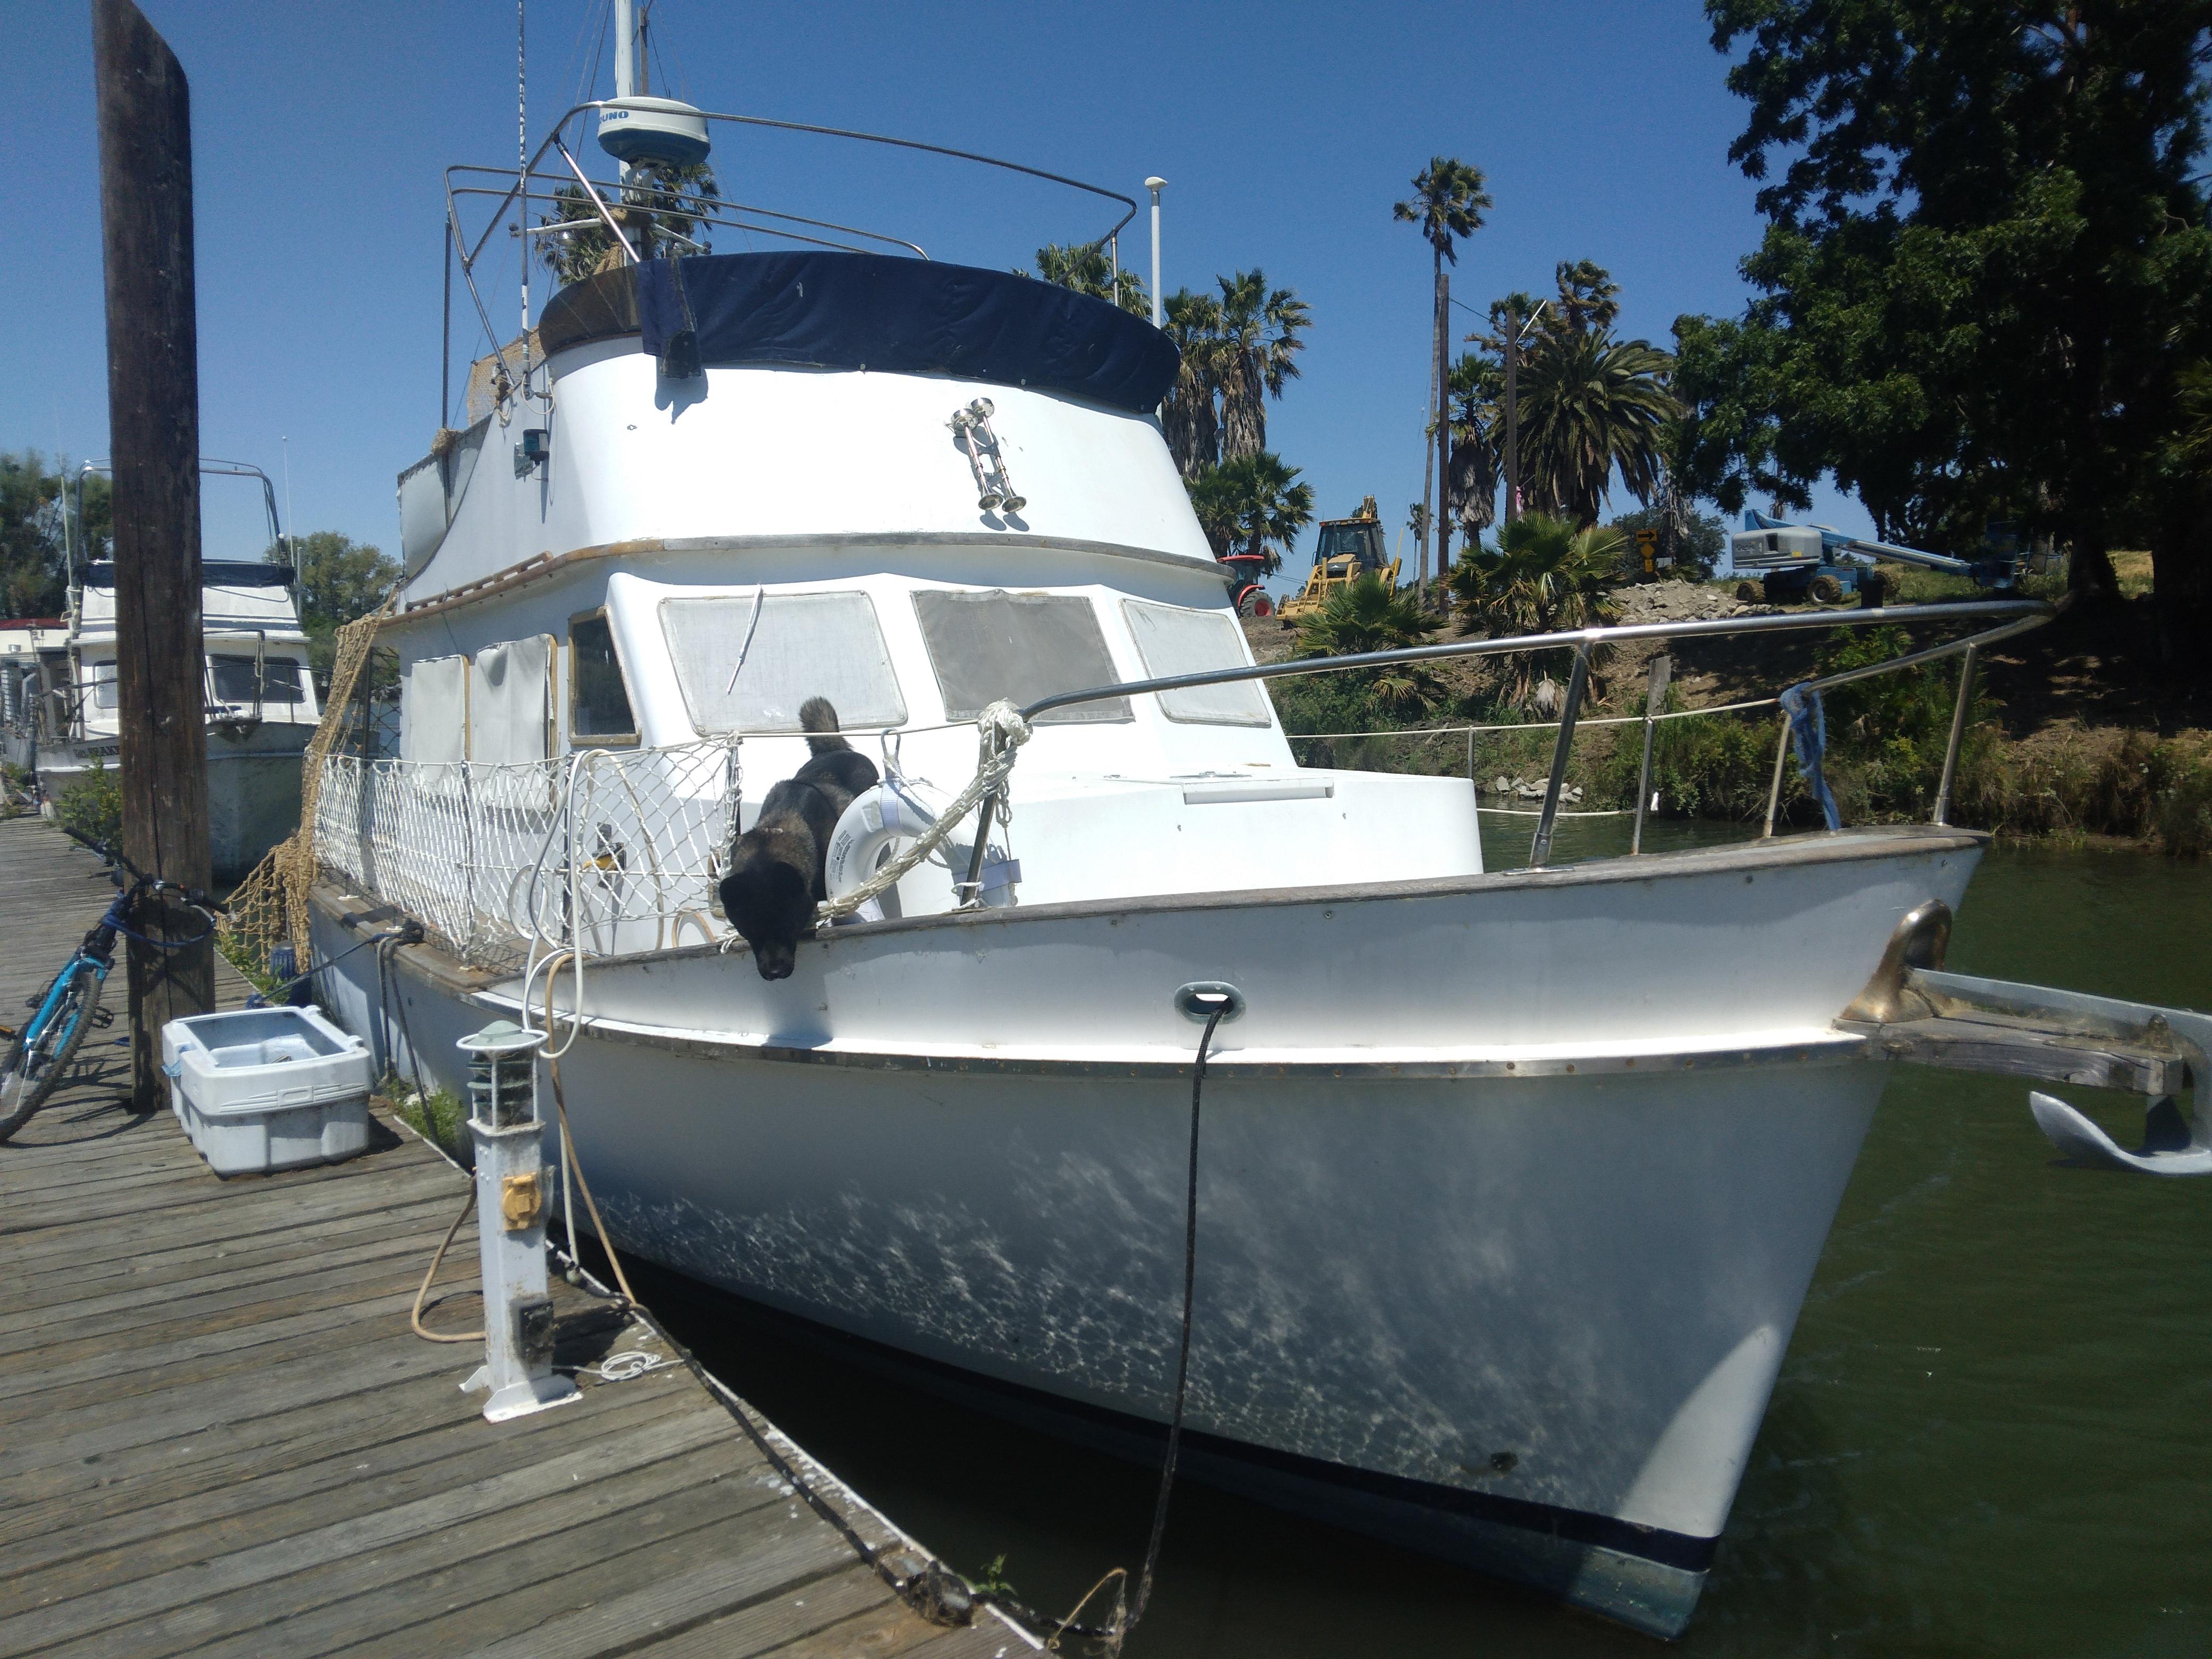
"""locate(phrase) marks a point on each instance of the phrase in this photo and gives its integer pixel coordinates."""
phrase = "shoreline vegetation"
(2059, 748)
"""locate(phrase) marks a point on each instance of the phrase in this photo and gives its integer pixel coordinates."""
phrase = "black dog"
(775, 867)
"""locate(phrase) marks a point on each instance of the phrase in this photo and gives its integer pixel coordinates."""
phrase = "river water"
(1992, 1434)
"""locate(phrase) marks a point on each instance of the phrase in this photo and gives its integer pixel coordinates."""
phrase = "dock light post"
(1159, 309)
(511, 1191)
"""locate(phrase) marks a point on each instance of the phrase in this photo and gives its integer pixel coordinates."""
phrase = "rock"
(1501, 785)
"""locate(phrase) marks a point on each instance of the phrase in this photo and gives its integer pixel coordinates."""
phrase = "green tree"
(340, 579)
(1984, 270)
(1449, 200)
(1366, 616)
(1543, 575)
(1254, 503)
(1188, 417)
(1591, 403)
(32, 573)
(1087, 270)
(1696, 537)
(662, 210)
(1258, 349)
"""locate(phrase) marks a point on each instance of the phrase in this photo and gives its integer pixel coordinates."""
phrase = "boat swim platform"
(218, 1435)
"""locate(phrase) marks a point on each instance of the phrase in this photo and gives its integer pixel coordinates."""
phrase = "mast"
(625, 50)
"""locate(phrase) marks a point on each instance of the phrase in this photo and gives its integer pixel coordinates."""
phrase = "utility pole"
(153, 413)
(1443, 422)
(1512, 416)
(1428, 498)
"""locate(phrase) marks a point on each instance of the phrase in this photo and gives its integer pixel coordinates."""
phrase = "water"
(1992, 1435)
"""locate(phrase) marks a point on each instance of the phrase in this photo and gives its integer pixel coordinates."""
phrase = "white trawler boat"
(57, 692)
(1500, 1234)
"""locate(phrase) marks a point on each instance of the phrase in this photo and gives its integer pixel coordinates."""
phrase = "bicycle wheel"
(34, 1066)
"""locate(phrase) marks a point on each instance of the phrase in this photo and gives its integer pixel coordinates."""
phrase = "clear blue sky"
(1285, 132)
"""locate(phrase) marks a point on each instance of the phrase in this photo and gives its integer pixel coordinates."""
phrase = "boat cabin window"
(1172, 639)
(598, 696)
(807, 645)
(1020, 647)
(101, 677)
(235, 679)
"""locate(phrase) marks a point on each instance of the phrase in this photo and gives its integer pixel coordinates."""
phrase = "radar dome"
(643, 130)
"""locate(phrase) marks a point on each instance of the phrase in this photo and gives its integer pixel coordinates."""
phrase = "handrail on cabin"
(2020, 616)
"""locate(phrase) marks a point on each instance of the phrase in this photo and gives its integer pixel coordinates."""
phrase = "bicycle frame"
(98, 948)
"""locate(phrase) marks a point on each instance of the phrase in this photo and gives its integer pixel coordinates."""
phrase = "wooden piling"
(153, 397)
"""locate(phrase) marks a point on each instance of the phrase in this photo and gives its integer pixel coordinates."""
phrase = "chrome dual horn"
(994, 488)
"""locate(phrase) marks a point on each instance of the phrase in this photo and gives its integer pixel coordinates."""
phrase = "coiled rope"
(1001, 732)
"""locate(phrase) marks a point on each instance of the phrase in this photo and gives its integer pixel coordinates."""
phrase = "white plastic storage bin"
(267, 1089)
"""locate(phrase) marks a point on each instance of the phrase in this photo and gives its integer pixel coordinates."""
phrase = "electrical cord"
(1183, 1352)
(1125, 1618)
(415, 1316)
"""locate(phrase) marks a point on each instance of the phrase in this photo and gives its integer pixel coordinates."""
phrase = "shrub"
(93, 806)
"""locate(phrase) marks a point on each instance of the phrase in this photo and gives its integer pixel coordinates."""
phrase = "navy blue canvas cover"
(829, 310)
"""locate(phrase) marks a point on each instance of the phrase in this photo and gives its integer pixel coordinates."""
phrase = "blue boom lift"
(1794, 561)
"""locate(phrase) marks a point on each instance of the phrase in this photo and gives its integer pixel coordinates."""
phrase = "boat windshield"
(807, 645)
(994, 644)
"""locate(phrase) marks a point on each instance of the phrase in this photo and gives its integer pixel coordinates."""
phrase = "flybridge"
(654, 214)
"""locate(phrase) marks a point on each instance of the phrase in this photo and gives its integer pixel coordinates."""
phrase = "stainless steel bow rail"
(2018, 616)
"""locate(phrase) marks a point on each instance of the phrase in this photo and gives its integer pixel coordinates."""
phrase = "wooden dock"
(218, 1435)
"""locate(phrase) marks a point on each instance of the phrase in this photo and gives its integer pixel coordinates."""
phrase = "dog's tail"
(817, 718)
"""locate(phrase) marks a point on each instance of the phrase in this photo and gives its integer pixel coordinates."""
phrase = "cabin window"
(807, 645)
(101, 677)
(1020, 647)
(244, 680)
(599, 697)
(1174, 641)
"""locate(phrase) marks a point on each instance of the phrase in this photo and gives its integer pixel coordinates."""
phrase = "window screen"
(599, 700)
(236, 676)
(807, 645)
(1174, 641)
(1020, 647)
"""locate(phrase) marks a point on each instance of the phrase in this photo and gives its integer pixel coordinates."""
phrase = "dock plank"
(218, 1435)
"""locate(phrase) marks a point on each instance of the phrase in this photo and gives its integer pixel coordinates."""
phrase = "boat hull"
(1516, 1295)
(253, 783)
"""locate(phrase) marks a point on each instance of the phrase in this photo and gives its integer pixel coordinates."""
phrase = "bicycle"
(38, 1055)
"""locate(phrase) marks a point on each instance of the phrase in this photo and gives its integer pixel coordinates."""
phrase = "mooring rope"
(1001, 733)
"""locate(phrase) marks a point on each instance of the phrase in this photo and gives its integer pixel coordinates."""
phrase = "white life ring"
(881, 822)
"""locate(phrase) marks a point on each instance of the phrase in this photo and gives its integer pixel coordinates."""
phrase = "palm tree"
(1260, 330)
(1471, 491)
(1366, 616)
(1255, 499)
(1543, 574)
(1589, 297)
(1087, 270)
(1187, 417)
(660, 209)
(1448, 202)
(1590, 402)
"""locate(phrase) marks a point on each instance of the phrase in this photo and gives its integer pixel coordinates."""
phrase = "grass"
(438, 1117)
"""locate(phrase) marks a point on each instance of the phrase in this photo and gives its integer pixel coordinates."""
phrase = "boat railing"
(608, 852)
(553, 178)
(2012, 617)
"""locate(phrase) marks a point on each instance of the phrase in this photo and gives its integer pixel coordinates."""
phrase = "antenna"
(625, 50)
(285, 537)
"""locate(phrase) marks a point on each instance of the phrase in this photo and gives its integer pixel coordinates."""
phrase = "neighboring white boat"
(1511, 1183)
(58, 690)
